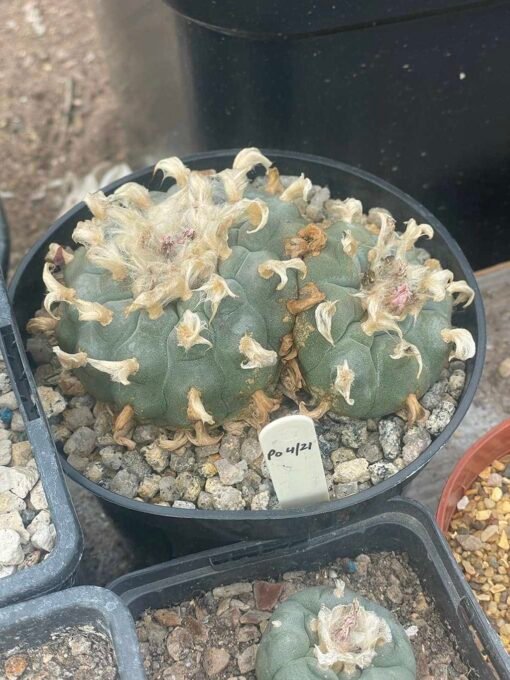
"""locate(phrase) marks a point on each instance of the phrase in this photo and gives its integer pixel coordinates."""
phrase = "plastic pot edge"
(58, 569)
(112, 614)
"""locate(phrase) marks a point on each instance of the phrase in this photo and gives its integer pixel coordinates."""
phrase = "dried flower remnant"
(220, 291)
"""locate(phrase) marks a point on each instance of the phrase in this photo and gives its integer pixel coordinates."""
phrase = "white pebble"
(38, 497)
(8, 400)
(5, 452)
(42, 519)
(6, 571)
(17, 422)
(52, 401)
(186, 505)
(463, 503)
(12, 520)
(21, 479)
(11, 552)
(44, 538)
(9, 501)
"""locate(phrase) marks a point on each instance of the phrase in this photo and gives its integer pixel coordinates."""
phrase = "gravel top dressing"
(216, 634)
(479, 535)
(26, 532)
(77, 653)
(232, 474)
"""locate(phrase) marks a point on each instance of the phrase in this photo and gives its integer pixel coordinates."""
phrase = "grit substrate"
(27, 534)
(216, 634)
(77, 653)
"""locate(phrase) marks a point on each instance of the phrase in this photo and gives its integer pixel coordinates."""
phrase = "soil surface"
(78, 653)
(216, 634)
(58, 116)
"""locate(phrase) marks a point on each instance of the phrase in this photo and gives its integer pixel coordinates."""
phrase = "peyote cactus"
(325, 634)
(205, 304)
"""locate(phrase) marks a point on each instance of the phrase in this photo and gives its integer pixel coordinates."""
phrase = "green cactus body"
(325, 634)
(206, 303)
(215, 367)
(381, 383)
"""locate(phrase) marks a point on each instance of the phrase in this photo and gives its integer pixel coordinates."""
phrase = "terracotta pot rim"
(493, 445)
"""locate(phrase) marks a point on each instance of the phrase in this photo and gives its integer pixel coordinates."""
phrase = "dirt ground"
(58, 115)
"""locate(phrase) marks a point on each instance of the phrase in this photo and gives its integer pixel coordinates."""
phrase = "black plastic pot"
(412, 90)
(58, 569)
(399, 525)
(29, 624)
(192, 530)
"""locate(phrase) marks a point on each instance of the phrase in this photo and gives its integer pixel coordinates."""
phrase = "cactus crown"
(207, 303)
(335, 634)
(349, 635)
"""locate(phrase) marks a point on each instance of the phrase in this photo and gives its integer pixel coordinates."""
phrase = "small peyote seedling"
(206, 304)
(333, 634)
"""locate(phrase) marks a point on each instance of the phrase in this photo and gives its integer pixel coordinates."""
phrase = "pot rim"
(365, 496)
(494, 444)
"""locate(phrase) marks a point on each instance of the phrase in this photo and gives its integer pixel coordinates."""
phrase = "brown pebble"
(421, 603)
(178, 643)
(215, 660)
(196, 628)
(246, 660)
(248, 634)
(254, 617)
(267, 594)
(15, 666)
(167, 617)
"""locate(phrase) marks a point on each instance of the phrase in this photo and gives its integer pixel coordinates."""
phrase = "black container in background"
(193, 530)
(414, 91)
(58, 570)
(30, 624)
(400, 525)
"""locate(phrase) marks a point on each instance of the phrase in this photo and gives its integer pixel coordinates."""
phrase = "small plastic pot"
(193, 530)
(399, 525)
(29, 624)
(58, 570)
(492, 446)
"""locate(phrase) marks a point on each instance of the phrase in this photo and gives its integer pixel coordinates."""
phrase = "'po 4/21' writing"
(294, 450)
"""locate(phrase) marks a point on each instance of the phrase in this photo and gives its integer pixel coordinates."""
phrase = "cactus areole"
(325, 634)
(206, 304)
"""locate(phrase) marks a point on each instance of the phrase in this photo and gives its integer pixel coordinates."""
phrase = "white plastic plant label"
(294, 460)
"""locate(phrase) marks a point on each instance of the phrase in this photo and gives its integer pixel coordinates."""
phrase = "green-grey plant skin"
(210, 330)
(287, 649)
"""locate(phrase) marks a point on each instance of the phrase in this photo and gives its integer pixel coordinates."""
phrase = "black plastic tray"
(31, 623)
(58, 569)
(399, 525)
